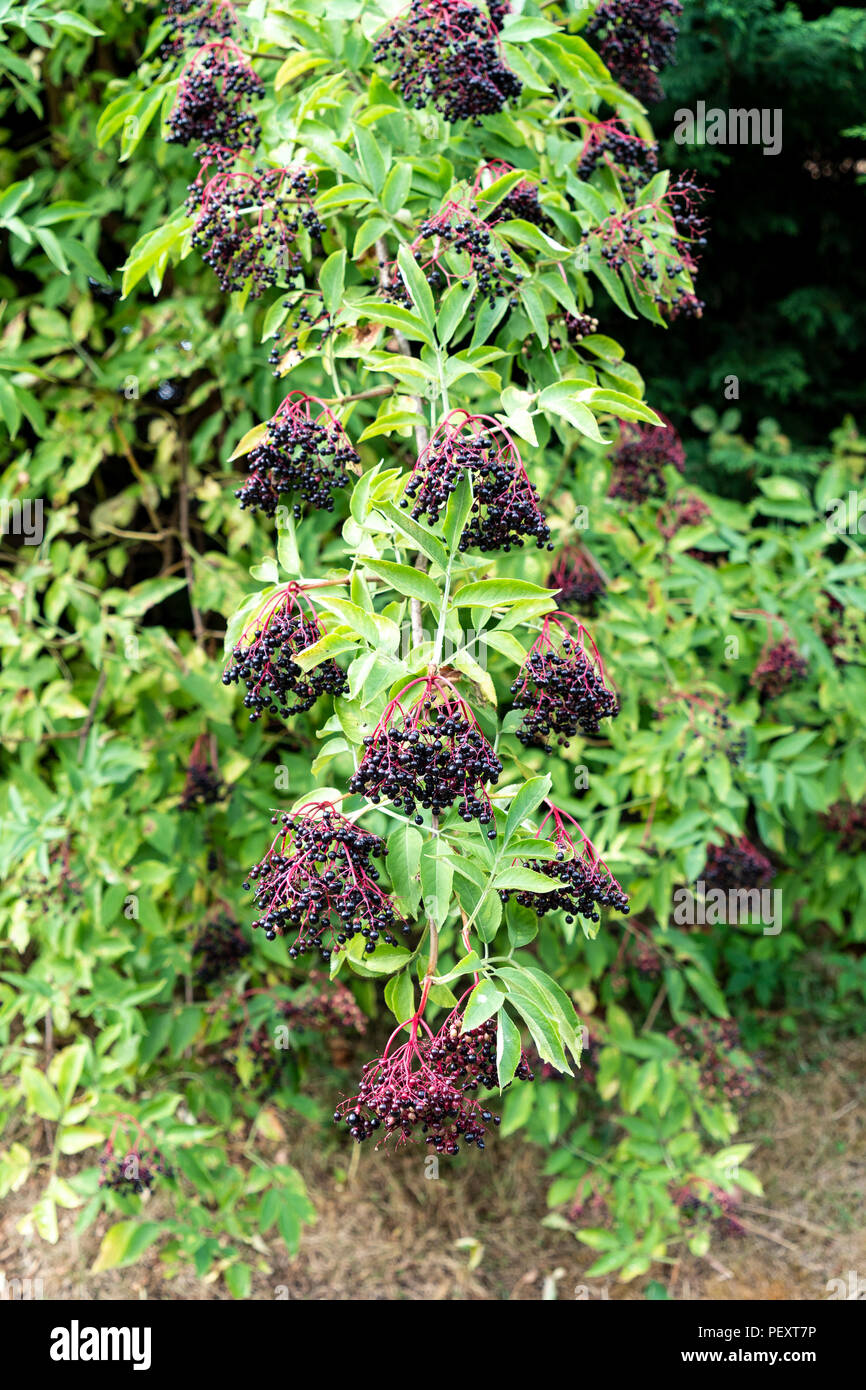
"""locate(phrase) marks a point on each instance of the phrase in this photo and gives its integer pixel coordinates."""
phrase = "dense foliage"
(380, 670)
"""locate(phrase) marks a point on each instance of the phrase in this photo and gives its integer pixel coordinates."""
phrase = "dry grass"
(385, 1231)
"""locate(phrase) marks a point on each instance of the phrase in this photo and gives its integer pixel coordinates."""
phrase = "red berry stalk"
(562, 686)
(135, 1169)
(449, 247)
(191, 23)
(575, 574)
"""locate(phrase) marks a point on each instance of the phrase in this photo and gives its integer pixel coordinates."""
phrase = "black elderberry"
(306, 454)
(264, 660)
(213, 98)
(562, 687)
(635, 39)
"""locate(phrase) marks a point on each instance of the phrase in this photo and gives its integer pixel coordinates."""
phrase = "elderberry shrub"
(266, 664)
(425, 1088)
(635, 39)
(579, 582)
(780, 666)
(610, 144)
(302, 454)
(220, 947)
(505, 510)
(247, 223)
(848, 820)
(737, 863)
(213, 97)
(447, 55)
(432, 756)
(319, 877)
(460, 239)
(562, 688)
(639, 460)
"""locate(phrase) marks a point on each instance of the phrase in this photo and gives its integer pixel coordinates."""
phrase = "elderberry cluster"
(190, 23)
(447, 55)
(581, 886)
(562, 690)
(462, 233)
(213, 99)
(306, 319)
(580, 326)
(579, 583)
(203, 785)
(521, 202)
(737, 864)
(322, 1008)
(318, 877)
(634, 160)
(505, 510)
(300, 455)
(780, 667)
(715, 1045)
(635, 39)
(275, 682)
(133, 1173)
(426, 1088)
(435, 757)
(247, 226)
(221, 947)
(848, 821)
(639, 460)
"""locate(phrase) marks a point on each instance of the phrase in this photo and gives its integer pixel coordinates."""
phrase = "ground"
(384, 1232)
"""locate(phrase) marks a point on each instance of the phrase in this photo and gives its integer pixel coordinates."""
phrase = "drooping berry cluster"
(319, 878)
(737, 863)
(220, 946)
(59, 883)
(306, 452)
(715, 1205)
(580, 326)
(247, 223)
(641, 455)
(709, 727)
(612, 145)
(265, 659)
(430, 754)
(191, 23)
(578, 580)
(425, 1088)
(646, 958)
(635, 39)
(561, 685)
(133, 1170)
(321, 1007)
(447, 55)
(781, 665)
(581, 882)
(725, 1071)
(522, 201)
(213, 99)
(848, 821)
(451, 246)
(655, 247)
(505, 510)
(203, 786)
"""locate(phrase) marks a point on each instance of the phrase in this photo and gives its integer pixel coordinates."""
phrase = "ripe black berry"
(305, 453)
(561, 685)
(264, 659)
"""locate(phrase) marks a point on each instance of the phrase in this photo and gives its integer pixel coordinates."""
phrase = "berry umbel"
(430, 753)
(319, 879)
(447, 54)
(635, 39)
(505, 511)
(213, 99)
(306, 454)
(581, 882)
(265, 658)
(640, 458)
(561, 686)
